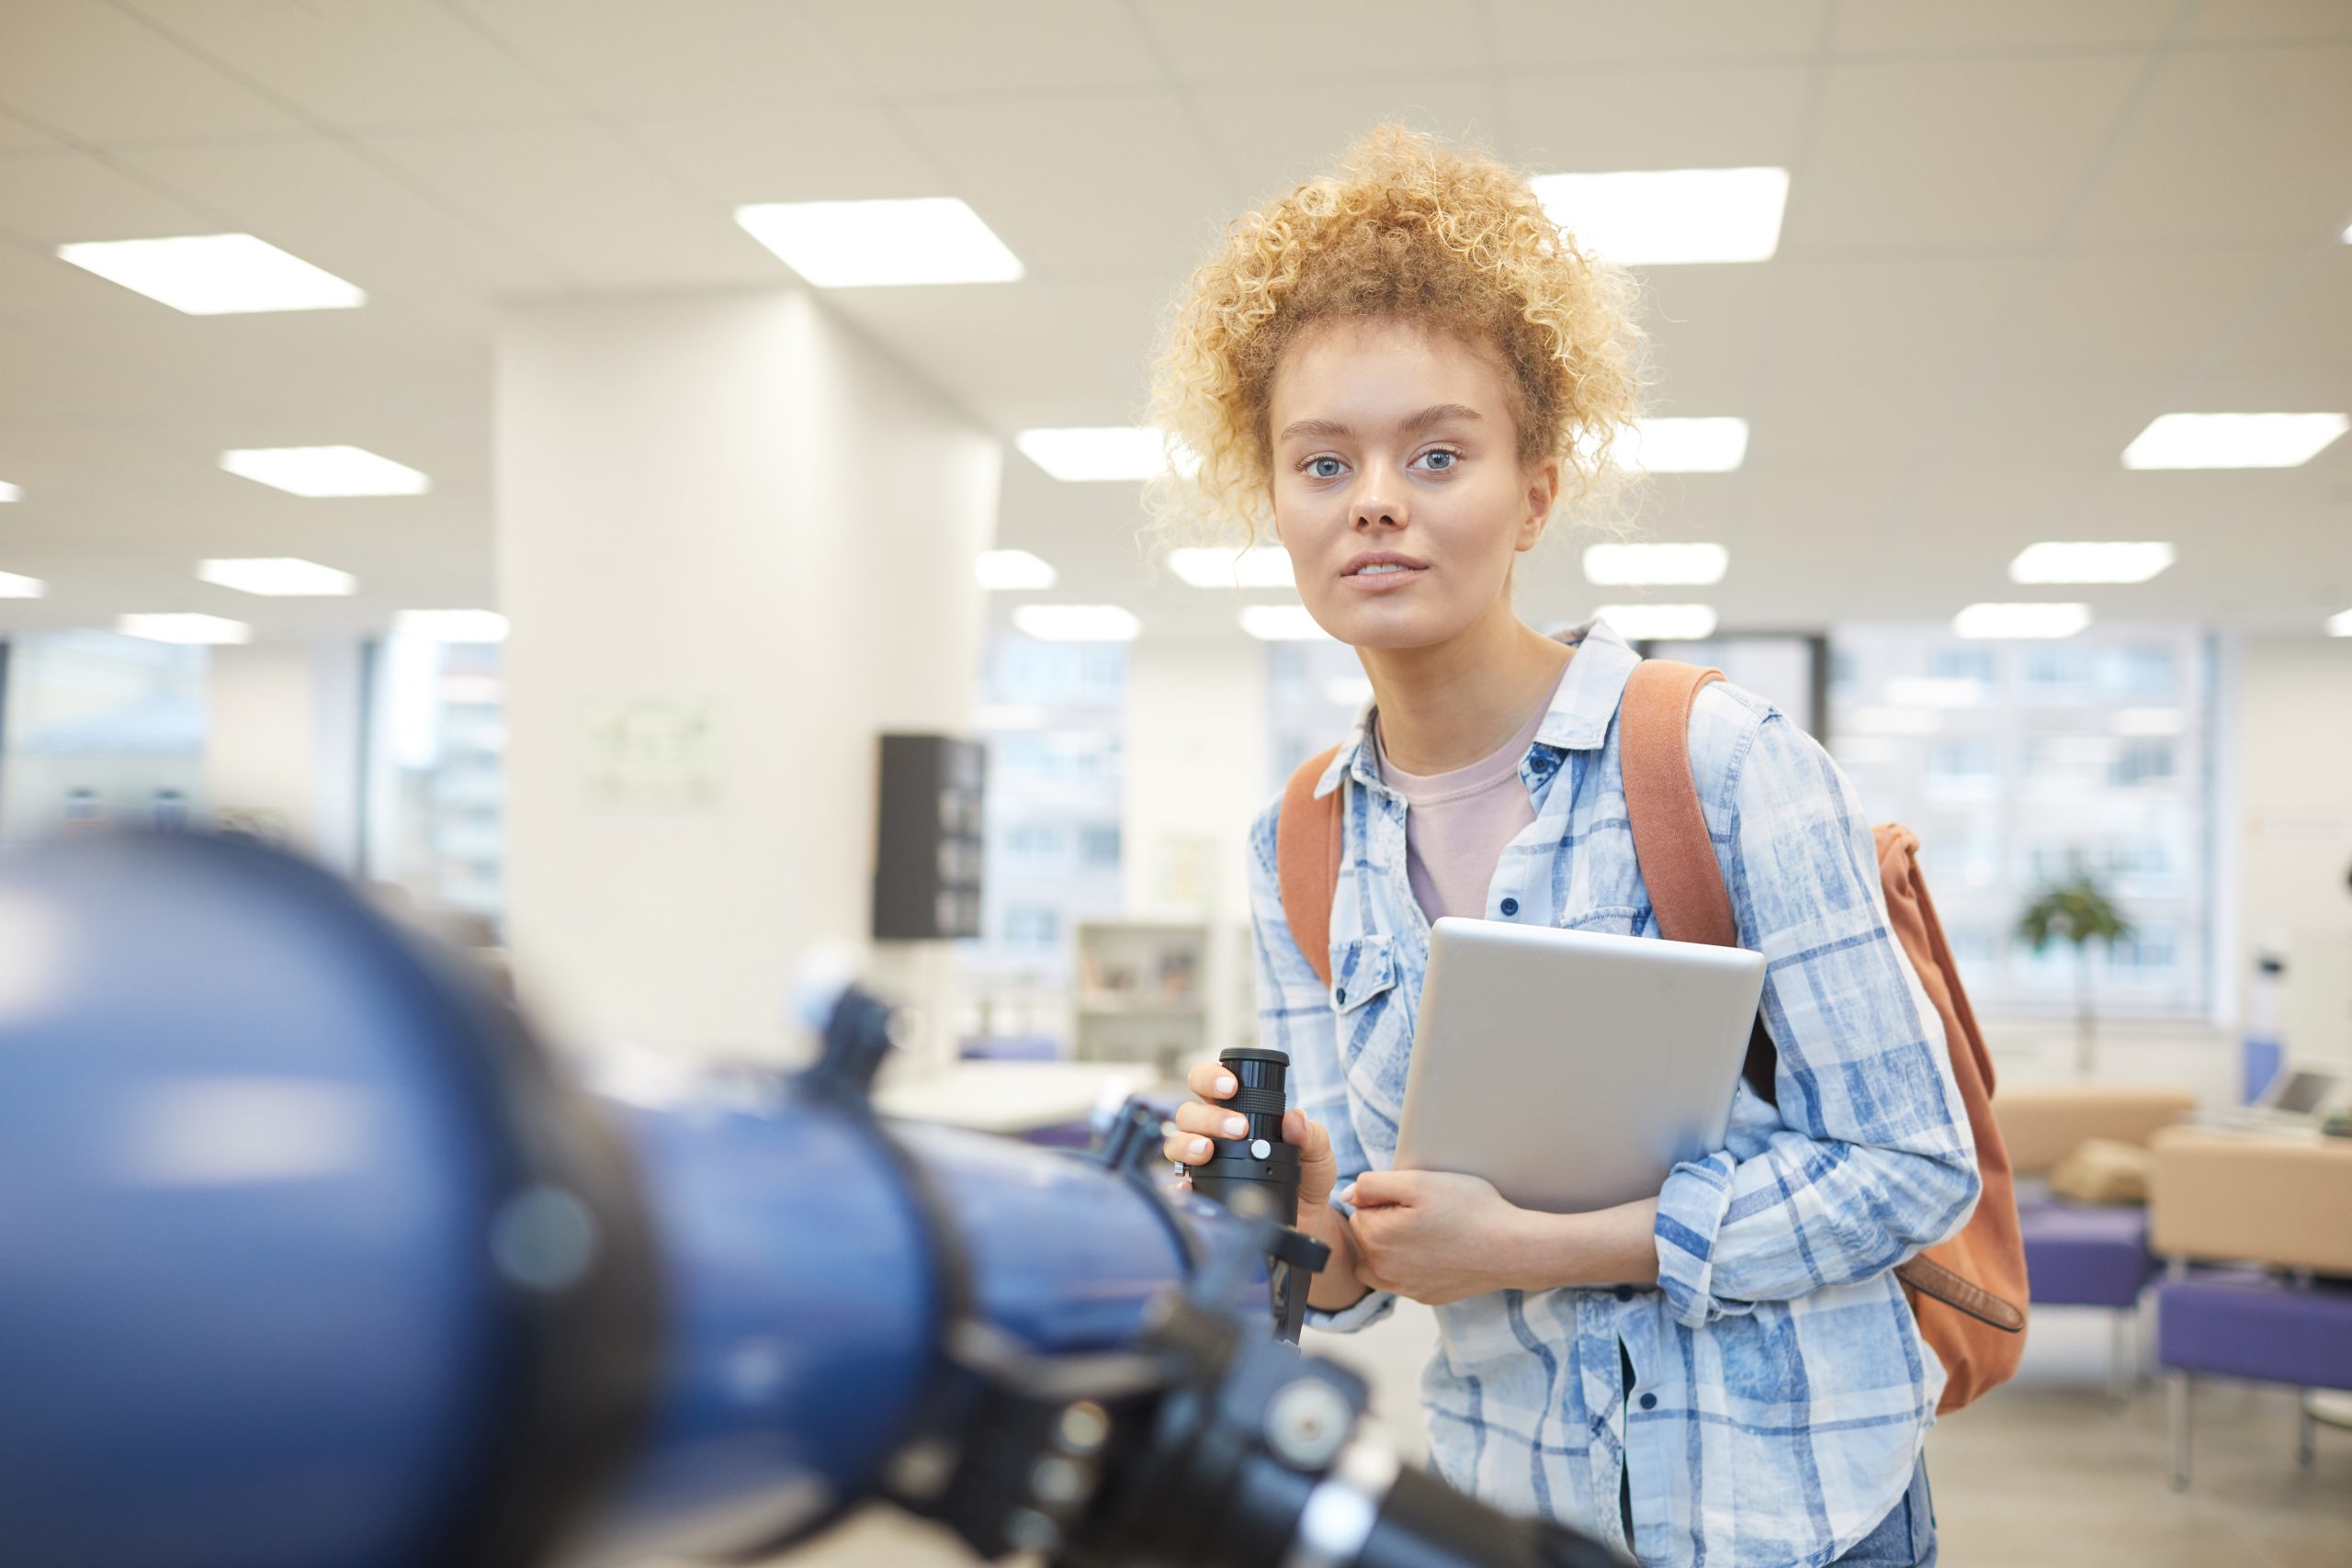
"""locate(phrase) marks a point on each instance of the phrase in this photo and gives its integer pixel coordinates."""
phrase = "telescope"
(312, 1255)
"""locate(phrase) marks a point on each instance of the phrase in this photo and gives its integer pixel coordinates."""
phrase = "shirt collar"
(1578, 720)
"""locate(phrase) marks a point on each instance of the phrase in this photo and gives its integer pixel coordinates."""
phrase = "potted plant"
(2080, 911)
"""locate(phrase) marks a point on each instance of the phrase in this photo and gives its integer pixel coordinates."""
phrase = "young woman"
(1402, 367)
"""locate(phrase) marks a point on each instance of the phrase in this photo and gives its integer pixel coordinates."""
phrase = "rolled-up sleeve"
(1871, 1158)
(1294, 1018)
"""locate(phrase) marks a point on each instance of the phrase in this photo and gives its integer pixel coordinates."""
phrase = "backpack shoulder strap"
(1670, 840)
(1307, 860)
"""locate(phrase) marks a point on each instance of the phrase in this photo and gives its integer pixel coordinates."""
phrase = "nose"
(1379, 499)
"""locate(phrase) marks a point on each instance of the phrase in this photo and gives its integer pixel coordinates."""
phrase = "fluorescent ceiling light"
(185, 628)
(2021, 620)
(1013, 569)
(1714, 446)
(1894, 721)
(1661, 218)
(215, 275)
(1282, 623)
(1077, 623)
(1101, 453)
(2090, 562)
(2340, 624)
(15, 587)
(872, 245)
(1660, 623)
(1267, 566)
(451, 625)
(1680, 566)
(2148, 721)
(2233, 440)
(281, 576)
(1936, 691)
(10, 492)
(325, 471)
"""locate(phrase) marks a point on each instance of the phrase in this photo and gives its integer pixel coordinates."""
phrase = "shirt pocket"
(1362, 969)
(1611, 920)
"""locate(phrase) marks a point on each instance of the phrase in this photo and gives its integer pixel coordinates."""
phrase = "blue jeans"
(1906, 1537)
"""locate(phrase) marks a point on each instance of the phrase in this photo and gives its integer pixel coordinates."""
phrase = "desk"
(1013, 1098)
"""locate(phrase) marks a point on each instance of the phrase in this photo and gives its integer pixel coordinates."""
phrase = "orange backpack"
(1969, 1293)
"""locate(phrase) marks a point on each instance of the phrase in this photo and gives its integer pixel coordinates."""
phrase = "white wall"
(723, 508)
(1196, 775)
(2293, 750)
(282, 741)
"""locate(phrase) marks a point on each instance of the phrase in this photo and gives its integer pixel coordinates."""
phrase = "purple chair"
(2253, 1323)
(2090, 1255)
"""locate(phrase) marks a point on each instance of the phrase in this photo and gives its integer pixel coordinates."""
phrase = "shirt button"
(1649, 1402)
(1511, 907)
(1625, 1292)
(1340, 995)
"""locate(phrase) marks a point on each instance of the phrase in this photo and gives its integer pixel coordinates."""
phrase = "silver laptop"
(2292, 1100)
(1573, 1069)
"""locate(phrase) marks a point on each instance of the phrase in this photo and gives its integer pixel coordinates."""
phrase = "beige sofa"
(2042, 1123)
(2283, 1200)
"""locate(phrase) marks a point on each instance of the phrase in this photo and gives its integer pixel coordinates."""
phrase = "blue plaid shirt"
(1780, 1390)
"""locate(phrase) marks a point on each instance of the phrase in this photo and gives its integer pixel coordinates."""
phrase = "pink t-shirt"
(1456, 824)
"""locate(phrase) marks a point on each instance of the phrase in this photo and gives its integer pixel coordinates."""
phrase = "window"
(2083, 757)
(437, 784)
(1100, 845)
(101, 728)
(2139, 762)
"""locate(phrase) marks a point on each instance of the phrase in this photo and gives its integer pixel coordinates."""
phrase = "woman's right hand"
(1198, 1121)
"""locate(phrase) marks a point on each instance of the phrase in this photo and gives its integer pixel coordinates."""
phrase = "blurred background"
(489, 445)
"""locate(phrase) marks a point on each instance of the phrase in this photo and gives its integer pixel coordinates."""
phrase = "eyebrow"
(1435, 413)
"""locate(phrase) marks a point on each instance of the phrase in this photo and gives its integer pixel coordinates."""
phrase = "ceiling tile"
(783, 152)
(361, 64)
(626, 57)
(1708, 326)
(966, 50)
(1012, 338)
(1583, 32)
(1987, 26)
(1270, 139)
(99, 74)
(1247, 41)
(586, 205)
(1080, 183)
(2308, 326)
(1906, 328)
(356, 215)
(1973, 155)
(54, 198)
(1693, 117)
(2245, 19)
(2153, 314)
(2232, 145)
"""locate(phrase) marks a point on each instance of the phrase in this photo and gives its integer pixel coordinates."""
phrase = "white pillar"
(1196, 770)
(281, 744)
(734, 546)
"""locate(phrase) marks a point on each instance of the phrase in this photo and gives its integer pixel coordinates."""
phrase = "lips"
(1384, 563)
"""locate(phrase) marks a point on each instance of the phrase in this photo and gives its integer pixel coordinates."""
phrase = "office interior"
(525, 513)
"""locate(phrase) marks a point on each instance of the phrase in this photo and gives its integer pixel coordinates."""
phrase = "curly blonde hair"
(1408, 229)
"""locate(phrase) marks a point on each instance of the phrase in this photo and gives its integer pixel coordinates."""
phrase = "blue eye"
(1451, 458)
(1315, 467)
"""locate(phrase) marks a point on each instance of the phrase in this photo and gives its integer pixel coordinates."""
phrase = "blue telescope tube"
(309, 1258)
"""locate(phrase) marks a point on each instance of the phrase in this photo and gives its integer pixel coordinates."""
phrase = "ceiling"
(2016, 233)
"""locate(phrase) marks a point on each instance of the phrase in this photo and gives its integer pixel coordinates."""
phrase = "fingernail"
(1348, 1193)
(1236, 1125)
(1225, 1083)
(1201, 1147)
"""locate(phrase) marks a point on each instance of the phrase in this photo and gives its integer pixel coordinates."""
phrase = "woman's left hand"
(1438, 1237)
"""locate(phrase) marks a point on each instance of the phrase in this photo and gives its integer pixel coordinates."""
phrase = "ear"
(1543, 493)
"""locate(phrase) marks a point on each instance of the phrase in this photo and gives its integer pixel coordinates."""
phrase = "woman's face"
(1398, 487)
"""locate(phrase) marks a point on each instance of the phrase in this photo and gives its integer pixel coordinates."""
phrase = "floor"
(2040, 1475)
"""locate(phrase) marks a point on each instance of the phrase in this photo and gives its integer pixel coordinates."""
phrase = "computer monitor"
(2299, 1093)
